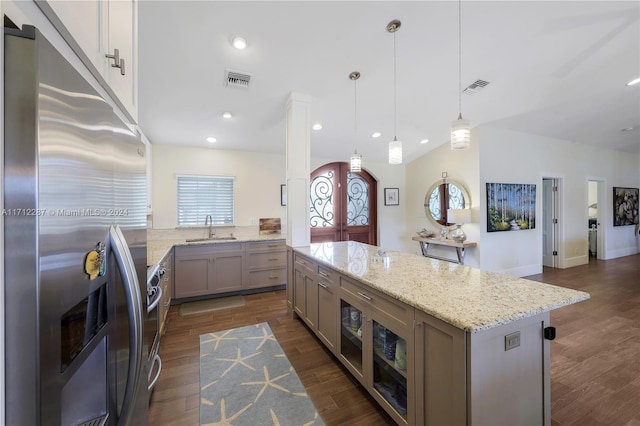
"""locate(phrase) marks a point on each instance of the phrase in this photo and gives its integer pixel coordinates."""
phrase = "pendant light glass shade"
(460, 133)
(395, 151)
(356, 162)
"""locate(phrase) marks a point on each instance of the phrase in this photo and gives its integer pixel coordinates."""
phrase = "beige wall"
(499, 155)
(461, 166)
(257, 181)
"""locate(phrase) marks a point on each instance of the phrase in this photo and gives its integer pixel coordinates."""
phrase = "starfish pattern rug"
(246, 379)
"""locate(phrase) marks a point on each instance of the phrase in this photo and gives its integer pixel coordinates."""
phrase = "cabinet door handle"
(364, 296)
(273, 278)
(302, 262)
(323, 285)
(117, 62)
(273, 259)
(323, 274)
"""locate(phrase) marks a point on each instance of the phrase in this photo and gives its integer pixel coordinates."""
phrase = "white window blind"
(199, 196)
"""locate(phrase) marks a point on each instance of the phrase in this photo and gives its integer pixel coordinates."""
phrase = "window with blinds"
(200, 196)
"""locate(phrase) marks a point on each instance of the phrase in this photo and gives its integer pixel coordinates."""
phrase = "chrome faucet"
(208, 220)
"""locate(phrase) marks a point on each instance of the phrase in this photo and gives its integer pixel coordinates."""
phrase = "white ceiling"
(556, 69)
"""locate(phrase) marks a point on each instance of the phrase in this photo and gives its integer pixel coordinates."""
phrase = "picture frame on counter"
(283, 195)
(391, 196)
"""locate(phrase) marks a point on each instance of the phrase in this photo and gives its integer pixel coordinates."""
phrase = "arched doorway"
(343, 205)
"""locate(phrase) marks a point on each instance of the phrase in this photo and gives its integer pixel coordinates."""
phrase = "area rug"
(246, 379)
(211, 305)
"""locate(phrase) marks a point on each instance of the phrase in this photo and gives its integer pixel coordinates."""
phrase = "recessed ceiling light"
(227, 115)
(634, 81)
(423, 141)
(317, 126)
(211, 139)
(239, 42)
(376, 134)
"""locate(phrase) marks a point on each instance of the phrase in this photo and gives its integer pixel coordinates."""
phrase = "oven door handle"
(152, 305)
(152, 383)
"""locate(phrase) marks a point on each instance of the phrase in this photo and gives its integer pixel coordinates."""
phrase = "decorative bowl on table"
(426, 233)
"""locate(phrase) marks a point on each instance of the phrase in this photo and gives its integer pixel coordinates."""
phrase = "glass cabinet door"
(351, 334)
(390, 367)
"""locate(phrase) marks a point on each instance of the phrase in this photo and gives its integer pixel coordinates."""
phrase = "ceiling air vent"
(237, 79)
(475, 87)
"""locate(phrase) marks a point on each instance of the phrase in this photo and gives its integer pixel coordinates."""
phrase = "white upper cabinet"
(122, 35)
(98, 28)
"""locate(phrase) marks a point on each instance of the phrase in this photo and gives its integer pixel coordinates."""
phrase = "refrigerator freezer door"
(64, 152)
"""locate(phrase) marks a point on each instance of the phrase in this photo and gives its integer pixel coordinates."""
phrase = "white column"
(298, 154)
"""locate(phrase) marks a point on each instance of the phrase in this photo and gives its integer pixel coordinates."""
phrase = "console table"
(459, 246)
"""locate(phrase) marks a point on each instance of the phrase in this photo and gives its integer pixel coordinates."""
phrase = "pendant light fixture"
(460, 128)
(356, 159)
(395, 146)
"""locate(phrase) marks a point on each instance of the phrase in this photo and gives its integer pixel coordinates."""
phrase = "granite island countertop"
(160, 241)
(465, 297)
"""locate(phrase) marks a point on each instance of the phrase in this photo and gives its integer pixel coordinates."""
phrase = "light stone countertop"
(465, 297)
(160, 241)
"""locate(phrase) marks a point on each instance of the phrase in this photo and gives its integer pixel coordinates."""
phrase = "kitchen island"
(432, 341)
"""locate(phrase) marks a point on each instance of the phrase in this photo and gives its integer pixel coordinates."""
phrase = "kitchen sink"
(195, 240)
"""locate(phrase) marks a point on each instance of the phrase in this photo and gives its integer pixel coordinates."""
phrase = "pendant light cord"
(355, 113)
(460, 59)
(395, 91)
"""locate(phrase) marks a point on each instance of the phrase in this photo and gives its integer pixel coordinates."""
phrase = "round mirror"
(442, 196)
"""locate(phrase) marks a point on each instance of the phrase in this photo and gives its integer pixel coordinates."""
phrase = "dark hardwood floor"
(595, 360)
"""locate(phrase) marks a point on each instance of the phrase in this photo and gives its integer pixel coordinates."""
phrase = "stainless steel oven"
(152, 324)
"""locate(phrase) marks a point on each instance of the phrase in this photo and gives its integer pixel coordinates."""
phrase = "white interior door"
(549, 222)
(597, 199)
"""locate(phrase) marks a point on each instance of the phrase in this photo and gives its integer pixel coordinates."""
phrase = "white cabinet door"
(122, 35)
(84, 20)
(97, 29)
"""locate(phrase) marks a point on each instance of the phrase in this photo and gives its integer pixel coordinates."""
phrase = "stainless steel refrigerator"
(75, 247)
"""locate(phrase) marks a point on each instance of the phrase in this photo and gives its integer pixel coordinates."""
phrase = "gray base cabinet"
(210, 269)
(441, 372)
(266, 264)
(420, 369)
(327, 301)
(305, 282)
(516, 380)
(377, 345)
(314, 299)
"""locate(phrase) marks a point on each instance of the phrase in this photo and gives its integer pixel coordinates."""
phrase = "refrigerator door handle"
(134, 309)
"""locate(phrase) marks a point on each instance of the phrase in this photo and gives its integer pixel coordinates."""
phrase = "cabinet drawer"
(304, 264)
(328, 275)
(256, 246)
(393, 309)
(267, 278)
(267, 259)
(205, 249)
